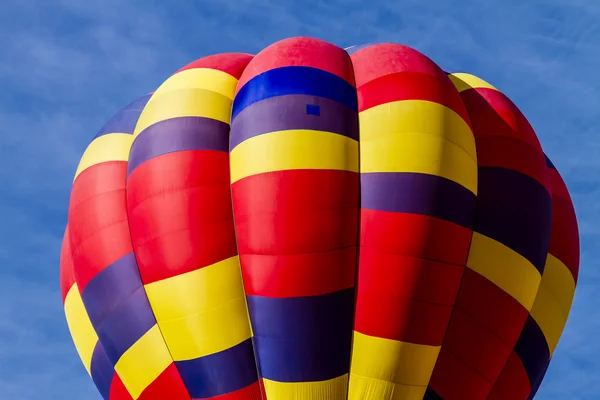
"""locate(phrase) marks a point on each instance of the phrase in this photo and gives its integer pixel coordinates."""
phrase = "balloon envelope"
(318, 223)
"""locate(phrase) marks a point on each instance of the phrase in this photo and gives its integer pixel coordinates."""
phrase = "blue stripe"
(549, 163)
(515, 210)
(536, 385)
(217, 374)
(126, 324)
(533, 350)
(102, 371)
(126, 119)
(303, 339)
(110, 287)
(295, 80)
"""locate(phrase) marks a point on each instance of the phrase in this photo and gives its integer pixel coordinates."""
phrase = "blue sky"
(67, 65)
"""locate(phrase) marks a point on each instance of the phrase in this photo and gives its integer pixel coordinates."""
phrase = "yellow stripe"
(293, 149)
(416, 116)
(363, 388)
(553, 302)
(143, 362)
(184, 103)
(201, 312)
(506, 268)
(464, 81)
(549, 316)
(333, 389)
(199, 78)
(80, 326)
(559, 280)
(111, 147)
(390, 361)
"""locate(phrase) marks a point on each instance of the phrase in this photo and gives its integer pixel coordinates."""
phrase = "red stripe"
(231, 63)
(98, 227)
(286, 218)
(513, 382)
(415, 235)
(492, 113)
(118, 391)
(180, 213)
(168, 385)
(476, 346)
(67, 271)
(405, 298)
(453, 380)
(251, 392)
(300, 51)
(515, 154)
(491, 307)
(564, 237)
(405, 85)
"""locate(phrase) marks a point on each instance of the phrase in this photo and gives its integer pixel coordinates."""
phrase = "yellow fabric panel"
(201, 312)
(199, 78)
(189, 102)
(560, 282)
(418, 153)
(363, 388)
(417, 116)
(549, 316)
(111, 147)
(293, 149)
(504, 267)
(81, 328)
(392, 361)
(333, 389)
(463, 81)
(143, 362)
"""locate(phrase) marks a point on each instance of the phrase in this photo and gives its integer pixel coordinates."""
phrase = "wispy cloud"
(67, 65)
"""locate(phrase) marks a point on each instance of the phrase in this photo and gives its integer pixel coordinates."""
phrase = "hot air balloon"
(318, 223)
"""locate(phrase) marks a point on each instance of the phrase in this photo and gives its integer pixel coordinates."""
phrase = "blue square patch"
(313, 109)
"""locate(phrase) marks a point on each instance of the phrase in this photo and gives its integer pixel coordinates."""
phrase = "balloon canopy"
(318, 223)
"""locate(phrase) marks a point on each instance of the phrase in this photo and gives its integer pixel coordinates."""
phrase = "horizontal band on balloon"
(303, 339)
(418, 153)
(335, 388)
(109, 147)
(549, 315)
(560, 282)
(506, 268)
(416, 193)
(413, 86)
(178, 134)
(143, 362)
(391, 121)
(199, 78)
(533, 350)
(291, 112)
(303, 52)
(391, 361)
(362, 387)
(221, 373)
(102, 371)
(490, 307)
(158, 191)
(97, 216)
(405, 298)
(513, 382)
(492, 113)
(293, 150)
(294, 80)
(515, 210)
(185, 103)
(231, 63)
(201, 312)
(463, 81)
(126, 119)
(81, 328)
(513, 154)
(414, 235)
